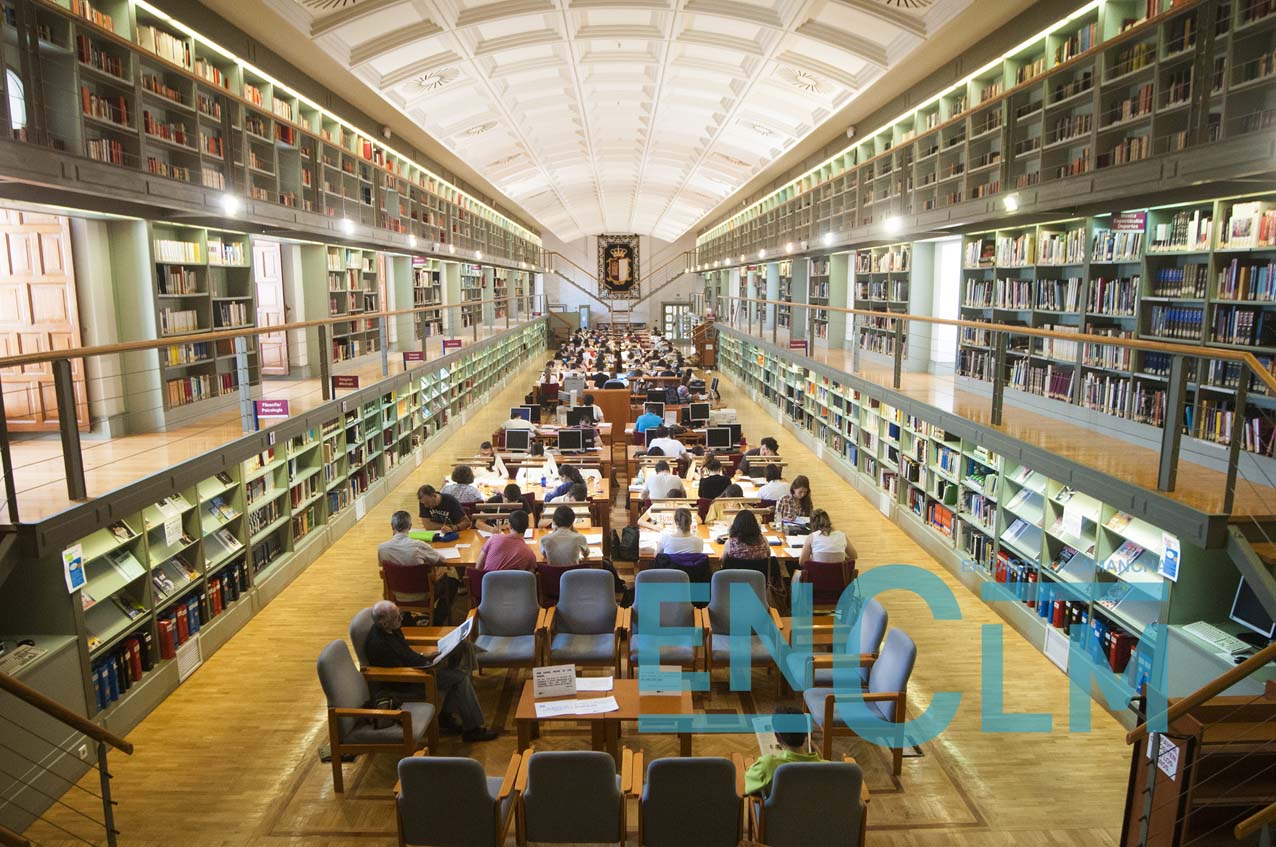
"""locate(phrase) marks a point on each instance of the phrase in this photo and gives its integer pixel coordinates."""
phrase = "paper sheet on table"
(554, 708)
(772, 539)
(485, 534)
(528, 533)
(593, 537)
(448, 552)
(597, 706)
(635, 488)
(793, 551)
(594, 683)
(595, 552)
(795, 541)
(462, 546)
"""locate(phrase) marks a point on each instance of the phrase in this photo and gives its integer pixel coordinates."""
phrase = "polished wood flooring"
(231, 758)
(110, 463)
(1199, 487)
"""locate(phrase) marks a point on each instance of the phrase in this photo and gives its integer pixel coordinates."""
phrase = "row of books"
(1062, 248)
(86, 10)
(172, 131)
(887, 261)
(1216, 420)
(165, 45)
(1181, 322)
(171, 250)
(1247, 282)
(1060, 295)
(186, 354)
(91, 53)
(112, 108)
(179, 279)
(178, 625)
(1116, 246)
(225, 587)
(1116, 297)
(1045, 381)
(235, 314)
(221, 252)
(179, 320)
(1240, 325)
(121, 669)
(1105, 392)
(1251, 224)
(1190, 280)
(179, 392)
(1186, 230)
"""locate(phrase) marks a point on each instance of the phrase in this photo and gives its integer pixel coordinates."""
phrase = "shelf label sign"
(73, 567)
(554, 681)
(450, 344)
(172, 529)
(345, 382)
(798, 345)
(410, 356)
(271, 409)
(1129, 221)
(1169, 567)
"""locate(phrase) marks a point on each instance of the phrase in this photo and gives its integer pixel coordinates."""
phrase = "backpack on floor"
(625, 545)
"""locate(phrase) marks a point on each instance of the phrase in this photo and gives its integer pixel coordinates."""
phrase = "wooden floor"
(231, 758)
(110, 463)
(1198, 486)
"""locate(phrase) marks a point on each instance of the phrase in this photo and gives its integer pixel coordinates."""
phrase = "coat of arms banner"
(618, 266)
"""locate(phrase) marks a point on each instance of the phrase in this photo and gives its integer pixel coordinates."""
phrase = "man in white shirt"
(517, 422)
(598, 412)
(660, 483)
(671, 447)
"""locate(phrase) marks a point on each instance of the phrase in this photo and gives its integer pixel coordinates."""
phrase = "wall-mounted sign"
(1129, 221)
(798, 345)
(450, 344)
(270, 409)
(345, 382)
(410, 356)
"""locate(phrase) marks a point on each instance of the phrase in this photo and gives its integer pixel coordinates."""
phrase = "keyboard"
(1215, 636)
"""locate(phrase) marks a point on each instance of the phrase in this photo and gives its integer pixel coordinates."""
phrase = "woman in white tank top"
(825, 544)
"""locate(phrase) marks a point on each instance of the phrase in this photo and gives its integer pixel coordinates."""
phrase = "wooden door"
(38, 313)
(271, 309)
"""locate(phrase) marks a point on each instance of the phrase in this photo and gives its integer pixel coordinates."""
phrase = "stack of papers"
(593, 706)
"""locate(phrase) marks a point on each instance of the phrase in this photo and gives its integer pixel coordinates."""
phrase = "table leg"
(612, 729)
(524, 733)
(684, 743)
(598, 734)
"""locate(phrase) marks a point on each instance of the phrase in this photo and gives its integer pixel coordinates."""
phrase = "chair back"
(690, 802)
(549, 578)
(343, 686)
(694, 565)
(702, 505)
(762, 566)
(720, 596)
(671, 614)
(827, 579)
(360, 625)
(873, 620)
(892, 669)
(586, 602)
(474, 586)
(814, 803)
(444, 802)
(406, 579)
(509, 605)
(549, 392)
(572, 797)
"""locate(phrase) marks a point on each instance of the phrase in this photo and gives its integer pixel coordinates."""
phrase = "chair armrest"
(864, 793)
(545, 620)
(778, 621)
(702, 621)
(828, 660)
(397, 674)
(624, 620)
(473, 629)
(393, 714)
(520, 781)
(511, 775)
(628, 758)
(738, 761)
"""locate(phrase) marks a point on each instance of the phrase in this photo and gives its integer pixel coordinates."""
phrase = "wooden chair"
(584, 628)
(827, 580)
(445, 800)
(571, 797)
(398, 581)
(686, 801)
(823, 803)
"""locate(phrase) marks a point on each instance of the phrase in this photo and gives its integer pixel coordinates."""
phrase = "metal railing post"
(108, 812)
(477, 320)
(998, 377)
(899, 351)
(1172, 433)
(69, 429)
(325, 365)
(855, 343)
(6, 463)
(775, 325)
(247, 420)
(1149, 785)
(509, 307)
(1234, 446)
(749, 306)
(385, 352)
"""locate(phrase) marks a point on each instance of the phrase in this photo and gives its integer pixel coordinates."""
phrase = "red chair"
(498, 440)
(547, 579)
(702, 506)
(549, 394)
(638, 439)
(474, 585)
(398, 581)
(764, 505)
(828, 580)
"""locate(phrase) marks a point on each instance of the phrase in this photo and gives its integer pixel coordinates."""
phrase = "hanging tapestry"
(618, 266)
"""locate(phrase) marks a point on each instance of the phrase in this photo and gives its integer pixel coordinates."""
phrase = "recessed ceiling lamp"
(1011, 202)
(908, 4)
(479, 129)
(437, 78)
(828, 238)
(788, 248)
(802, 80)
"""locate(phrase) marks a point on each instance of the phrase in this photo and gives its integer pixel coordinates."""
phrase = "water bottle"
(542, 480)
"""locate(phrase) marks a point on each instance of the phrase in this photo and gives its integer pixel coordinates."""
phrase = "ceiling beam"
(374, 48)
(888, 14)
(350, 14)
(500, 11)
(868, 50)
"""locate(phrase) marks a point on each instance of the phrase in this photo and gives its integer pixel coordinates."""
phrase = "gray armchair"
(570, 798)
(689, 802)
(717, 632)
(885, 695)
(584, 628)
(452, 802)
(823, 803)
(360, 625)
(872, 622)
(350, 727)
(671, 615)
(508, 621)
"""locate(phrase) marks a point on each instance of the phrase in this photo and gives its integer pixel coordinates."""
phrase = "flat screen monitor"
(518, 440)
(523, 412)
(699, 414)
(736, 434)
(713, 386)
(657, 409)
(656, 395)
(574, 383)
(571, 440)
(650, 435)
(583, 416)
(533, 413)
(719, 438)
(1249, 613)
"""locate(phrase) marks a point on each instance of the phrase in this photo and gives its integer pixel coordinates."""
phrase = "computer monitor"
(1249, 613)
(580, 416)
(650, 435)
(719, 438)
(588, 440)
(736, 434)
(523, 412)
(713, 386)
(533, 413)
(571, 440)
(657, 409)
(699, 414)
(656, 395)
(574, 383)
(518, 440)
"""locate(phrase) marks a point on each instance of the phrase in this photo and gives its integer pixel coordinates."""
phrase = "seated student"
(796, 504)
(564, 546)
(440, 511)
(569, 476)
(616, 381)
(718, 508)
(387, 648)
(769, 447)
(506, 550)
(404, 551)
(670, 446)
(682, 538)
(684, 394)
(511, 495)
(757, 779)
(462, 485)
(775, 487)
(648, 419)
(488, 454)
(599, 378)
(516, 422)
(578, 493)
(713, 480)
(825, 544)
(660, 483)
(598, 412)
(745, 539)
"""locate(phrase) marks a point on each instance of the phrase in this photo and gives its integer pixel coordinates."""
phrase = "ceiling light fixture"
(828, 238)
(231, 205)
(893, 224)
(762, 254)
(788, 248)
(347, 226)
(478, 254)
(411, 240)
(451, 248)
(1011, 202)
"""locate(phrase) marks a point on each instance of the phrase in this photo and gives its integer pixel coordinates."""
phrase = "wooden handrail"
(62, 714)
(1261, 818)
(676, 257)
(9, 838)
(574, 265)
(1209, 690)
(222, 335)
(1247, 359)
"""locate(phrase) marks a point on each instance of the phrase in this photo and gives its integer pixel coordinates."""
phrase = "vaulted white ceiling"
(618, 115)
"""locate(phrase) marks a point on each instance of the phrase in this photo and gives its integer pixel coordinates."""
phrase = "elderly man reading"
(387, 648)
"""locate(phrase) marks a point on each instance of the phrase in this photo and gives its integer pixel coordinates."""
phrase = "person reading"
(440, 511)
(564, 546)
(825, 544)
(769, 447)
(791, 746)
(681, 538)
(795, 505)
(506, 550)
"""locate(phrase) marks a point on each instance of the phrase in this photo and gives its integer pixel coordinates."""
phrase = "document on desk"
(595, 552)
(555, 708)
(593, 537)
(795, 552)
(594, 706)
(594, 683)
(485, 534)
(448, 552)
(597, 706)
